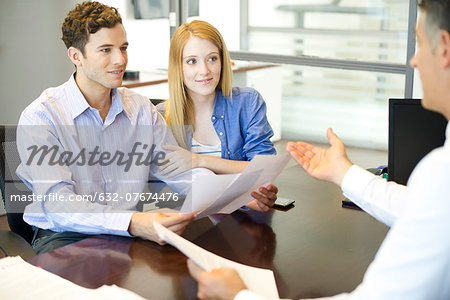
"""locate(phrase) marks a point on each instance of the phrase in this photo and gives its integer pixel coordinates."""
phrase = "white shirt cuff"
(355, 182)
(248, 295)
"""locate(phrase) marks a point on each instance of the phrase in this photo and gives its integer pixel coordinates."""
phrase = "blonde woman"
(216, 126)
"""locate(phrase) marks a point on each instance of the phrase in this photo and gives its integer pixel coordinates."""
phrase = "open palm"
(325, 164)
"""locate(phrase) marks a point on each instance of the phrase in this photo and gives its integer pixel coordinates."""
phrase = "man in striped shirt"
(88, 147)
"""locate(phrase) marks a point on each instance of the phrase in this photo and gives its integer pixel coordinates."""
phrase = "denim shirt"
(241, 124)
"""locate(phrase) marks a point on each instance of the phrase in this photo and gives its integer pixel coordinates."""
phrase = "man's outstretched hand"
(325, 164)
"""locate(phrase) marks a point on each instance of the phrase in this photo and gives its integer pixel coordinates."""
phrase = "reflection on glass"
(353, 103)
(358, 30)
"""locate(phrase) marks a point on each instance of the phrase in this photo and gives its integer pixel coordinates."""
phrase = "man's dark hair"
(437, 18)
(87, 18)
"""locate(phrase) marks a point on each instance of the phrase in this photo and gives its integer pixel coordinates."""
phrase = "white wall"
(32, 54)
(225, 17)
(149, 40)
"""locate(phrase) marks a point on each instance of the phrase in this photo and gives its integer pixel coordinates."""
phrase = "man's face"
(105, 59)
(425, 60)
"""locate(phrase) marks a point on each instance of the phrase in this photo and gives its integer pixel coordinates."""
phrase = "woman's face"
(201, 67)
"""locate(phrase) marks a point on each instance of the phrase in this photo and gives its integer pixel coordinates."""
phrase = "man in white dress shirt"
(414, 260)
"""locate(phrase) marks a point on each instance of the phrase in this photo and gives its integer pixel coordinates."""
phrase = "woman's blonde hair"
(179, 108)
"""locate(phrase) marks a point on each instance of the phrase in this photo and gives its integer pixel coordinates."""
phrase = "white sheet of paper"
(271, 166)
(41, 284)
(260, 281)
(211, 194)
(205, 190)
(242, 185)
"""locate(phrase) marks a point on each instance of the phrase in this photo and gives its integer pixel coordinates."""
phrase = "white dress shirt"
(62, 118)
(413, 261)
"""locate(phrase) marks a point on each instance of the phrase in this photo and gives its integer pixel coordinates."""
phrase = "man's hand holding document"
(212, 194)
(260, 281)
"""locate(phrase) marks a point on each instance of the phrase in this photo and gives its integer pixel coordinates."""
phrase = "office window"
(342, 59)
(367, 30)
(353, 103)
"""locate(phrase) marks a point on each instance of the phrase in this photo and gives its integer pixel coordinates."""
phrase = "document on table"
(211, 193)
(21, 280)
(260, 281)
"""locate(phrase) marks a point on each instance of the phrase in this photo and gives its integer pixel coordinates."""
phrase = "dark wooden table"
(316, 248)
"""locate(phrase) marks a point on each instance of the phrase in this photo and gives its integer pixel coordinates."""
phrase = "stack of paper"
(21, 280)
(260, 281)
(211, 193)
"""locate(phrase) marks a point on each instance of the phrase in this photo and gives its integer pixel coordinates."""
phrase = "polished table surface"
(316, 248)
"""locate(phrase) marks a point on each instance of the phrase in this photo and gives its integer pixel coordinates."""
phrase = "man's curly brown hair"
(87, 18)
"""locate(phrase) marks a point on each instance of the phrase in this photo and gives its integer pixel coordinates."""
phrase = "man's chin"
(115, 84)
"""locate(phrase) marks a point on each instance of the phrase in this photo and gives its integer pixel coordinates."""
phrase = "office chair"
(12, 244)
(155, 101)
(10, 184)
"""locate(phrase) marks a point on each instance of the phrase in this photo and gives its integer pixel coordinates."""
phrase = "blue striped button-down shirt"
(93, 174)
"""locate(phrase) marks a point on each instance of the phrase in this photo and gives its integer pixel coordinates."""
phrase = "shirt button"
(228, 152)
(221, 133)
(213, 118)
(221, 116)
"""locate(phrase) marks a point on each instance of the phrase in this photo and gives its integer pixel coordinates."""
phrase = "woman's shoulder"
(244, 92)
(246, 96)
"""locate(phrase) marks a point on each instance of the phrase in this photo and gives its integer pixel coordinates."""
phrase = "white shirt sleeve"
(413, 261)
(384, 200)
(66, 211)
(249, 295)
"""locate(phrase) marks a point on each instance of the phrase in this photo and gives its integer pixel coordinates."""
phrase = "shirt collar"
(78, 103)
(116, 104)
(447, 136)
(75, 98)
(124, 103)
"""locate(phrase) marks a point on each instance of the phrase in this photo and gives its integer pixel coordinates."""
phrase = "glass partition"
(342, 59)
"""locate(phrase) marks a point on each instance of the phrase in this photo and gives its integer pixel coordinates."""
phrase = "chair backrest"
(155, 101)
(12, 187)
